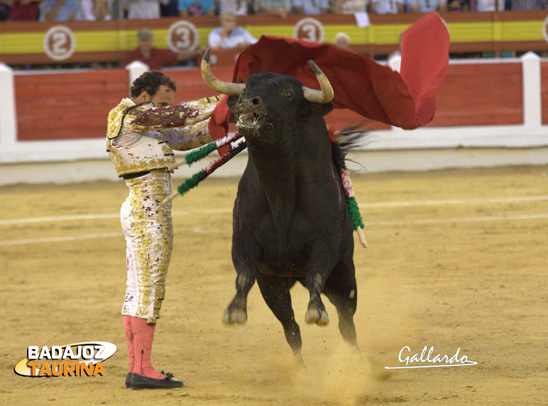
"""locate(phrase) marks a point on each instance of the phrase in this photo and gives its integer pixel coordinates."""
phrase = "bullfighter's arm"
(188, 137)
(178, 115)
(183, 126)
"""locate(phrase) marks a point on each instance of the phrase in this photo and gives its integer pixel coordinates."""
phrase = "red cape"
(405, 100)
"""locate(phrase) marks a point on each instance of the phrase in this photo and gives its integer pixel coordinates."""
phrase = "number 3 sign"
(309, 29)
(182, 36)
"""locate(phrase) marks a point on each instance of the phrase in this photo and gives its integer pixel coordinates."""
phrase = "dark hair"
(150, 82)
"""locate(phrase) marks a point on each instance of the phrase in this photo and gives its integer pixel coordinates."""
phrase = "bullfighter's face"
(163, 97)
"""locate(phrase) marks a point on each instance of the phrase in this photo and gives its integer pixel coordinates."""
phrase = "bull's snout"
(251, 112)
(251, 103)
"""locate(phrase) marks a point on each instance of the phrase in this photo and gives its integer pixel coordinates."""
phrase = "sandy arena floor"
(456, 259)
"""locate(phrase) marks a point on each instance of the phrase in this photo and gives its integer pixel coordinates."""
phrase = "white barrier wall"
(8, 115)
(394, 149)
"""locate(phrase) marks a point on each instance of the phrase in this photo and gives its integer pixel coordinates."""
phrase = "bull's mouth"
(250, 122)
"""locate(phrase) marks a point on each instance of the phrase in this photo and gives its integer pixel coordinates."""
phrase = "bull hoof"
(318, 316)
(234, 316)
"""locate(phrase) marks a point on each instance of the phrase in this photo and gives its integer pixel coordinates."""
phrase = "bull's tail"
(346, 140)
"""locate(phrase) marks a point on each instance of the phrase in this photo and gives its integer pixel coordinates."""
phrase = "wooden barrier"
(480, 94)
(75, 105)
(488, 114)
(25, 42)
(62, 115)
(544, 92)
(67, 105)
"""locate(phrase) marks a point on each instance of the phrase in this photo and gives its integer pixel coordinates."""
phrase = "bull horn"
(319, 96)
(231, 89)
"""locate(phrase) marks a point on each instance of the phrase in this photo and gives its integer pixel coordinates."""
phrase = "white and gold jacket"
(142, 138)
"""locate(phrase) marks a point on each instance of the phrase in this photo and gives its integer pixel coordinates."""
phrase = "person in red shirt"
(157, 58)
(24, 10)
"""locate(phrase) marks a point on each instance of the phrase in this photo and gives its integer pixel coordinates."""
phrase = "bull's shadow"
(290, 221)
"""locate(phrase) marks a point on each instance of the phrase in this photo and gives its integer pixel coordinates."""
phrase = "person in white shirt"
(143, 9)
(489, 5)
(229, 35)
(310, 7)
(385, 7)
(424, 6)
(238, 7)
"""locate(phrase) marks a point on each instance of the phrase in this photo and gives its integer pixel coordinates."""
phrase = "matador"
(143, 130)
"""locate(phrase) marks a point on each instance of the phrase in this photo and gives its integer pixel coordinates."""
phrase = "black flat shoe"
(142, 382)
(129, 377)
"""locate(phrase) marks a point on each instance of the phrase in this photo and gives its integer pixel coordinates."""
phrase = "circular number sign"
(182, 36)
(309, 29)
(59, 43)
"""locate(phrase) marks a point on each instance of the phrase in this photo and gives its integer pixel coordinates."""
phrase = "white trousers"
(148, 231)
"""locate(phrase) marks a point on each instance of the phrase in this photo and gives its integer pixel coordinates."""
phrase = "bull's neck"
(276, 171)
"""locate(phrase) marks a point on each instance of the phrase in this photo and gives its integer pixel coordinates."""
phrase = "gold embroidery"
(150, 229)
(150, 153)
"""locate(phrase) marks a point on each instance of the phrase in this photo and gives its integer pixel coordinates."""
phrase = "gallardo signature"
(431, 361)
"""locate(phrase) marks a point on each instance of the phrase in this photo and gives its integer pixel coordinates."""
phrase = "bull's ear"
(321, 109)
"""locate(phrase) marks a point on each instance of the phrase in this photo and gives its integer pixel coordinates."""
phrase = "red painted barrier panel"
(75, 105)
(544, 91)
(59, 106)
(480, 94)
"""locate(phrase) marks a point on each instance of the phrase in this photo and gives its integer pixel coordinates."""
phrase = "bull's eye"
(289, 95)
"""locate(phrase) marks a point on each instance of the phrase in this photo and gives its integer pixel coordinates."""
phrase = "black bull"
(290, 221)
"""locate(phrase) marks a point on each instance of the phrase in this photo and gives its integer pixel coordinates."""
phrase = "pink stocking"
(129, 339)
(143, 335)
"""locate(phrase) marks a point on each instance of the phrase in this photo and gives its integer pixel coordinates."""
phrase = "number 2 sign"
(59, 43)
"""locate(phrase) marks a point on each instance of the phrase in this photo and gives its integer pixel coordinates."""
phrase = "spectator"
(91, 10)
(156, 58)
(281, 8)
(85, 11)
(236, 7)
(58, 10)
(527, 4)
(101, 10)
(488, 5)
(311, 7)
(458, 5)
(350, 6)
(168, 8)
(424, 6)
(4, 9)
(385, 7)
(342, 40)
(229, 35)
(190, 8)
(24, 10)
(143, 9)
